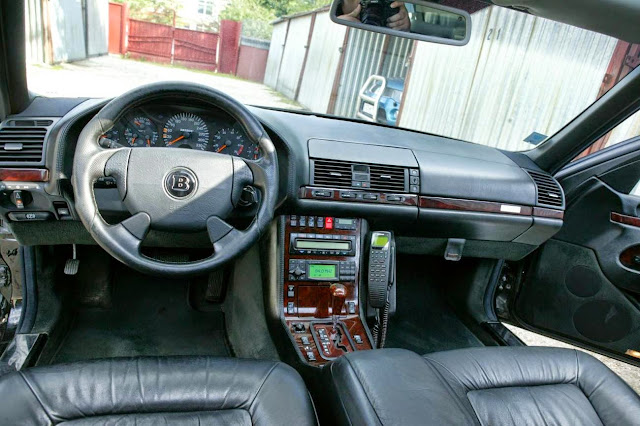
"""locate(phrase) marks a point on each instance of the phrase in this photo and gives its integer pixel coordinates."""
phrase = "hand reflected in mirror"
(400, 21)
(351, 10)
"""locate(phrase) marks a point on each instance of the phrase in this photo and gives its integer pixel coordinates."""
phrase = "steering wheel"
(173, 189)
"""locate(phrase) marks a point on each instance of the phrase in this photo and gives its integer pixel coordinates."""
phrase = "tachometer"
(141, 132)
(233, 142)
(186, 130)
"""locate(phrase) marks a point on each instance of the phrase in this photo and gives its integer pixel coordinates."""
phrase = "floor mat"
(424, 322)
(149, 316)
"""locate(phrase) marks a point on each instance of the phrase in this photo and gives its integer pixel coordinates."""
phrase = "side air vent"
(22, 141)
(548, 190)
(376, 177)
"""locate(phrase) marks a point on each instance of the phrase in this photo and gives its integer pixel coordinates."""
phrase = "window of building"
(205, 7)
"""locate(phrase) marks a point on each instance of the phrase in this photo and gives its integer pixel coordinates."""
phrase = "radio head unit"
(322, 244)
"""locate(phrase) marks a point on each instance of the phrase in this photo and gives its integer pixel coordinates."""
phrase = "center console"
(321, 306)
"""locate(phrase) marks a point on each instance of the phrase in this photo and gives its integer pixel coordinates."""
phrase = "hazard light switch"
(328, 223)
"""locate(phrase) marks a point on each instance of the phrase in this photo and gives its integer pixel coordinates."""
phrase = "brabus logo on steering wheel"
(180, 183)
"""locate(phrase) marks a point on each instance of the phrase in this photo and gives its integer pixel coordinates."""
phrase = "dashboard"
(175, 126)
(427, 189)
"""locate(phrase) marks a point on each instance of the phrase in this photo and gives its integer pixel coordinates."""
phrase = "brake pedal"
(72, 265)
(215, 286)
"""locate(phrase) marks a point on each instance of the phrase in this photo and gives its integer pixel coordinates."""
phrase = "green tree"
(256, 15)
(158, 11)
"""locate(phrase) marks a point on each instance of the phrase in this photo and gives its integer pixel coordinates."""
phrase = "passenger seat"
(489, 386)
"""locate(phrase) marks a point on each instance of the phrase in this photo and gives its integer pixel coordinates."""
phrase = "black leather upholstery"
(181, 390)
(488, 386)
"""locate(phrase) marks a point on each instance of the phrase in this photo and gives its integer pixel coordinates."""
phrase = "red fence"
(193, 49)
(149, 40)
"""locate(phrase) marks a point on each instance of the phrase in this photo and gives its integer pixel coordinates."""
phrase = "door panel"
(588, 222)
(568, 294)
(584, 284)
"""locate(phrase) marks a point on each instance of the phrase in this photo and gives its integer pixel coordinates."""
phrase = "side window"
(628, 129)
(636, 190)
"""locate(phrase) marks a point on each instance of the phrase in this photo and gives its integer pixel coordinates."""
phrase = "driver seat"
(157, 390)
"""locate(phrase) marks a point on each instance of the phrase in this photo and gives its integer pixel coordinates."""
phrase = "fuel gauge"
(141, 132)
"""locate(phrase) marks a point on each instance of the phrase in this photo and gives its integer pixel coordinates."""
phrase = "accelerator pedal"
(72, 265)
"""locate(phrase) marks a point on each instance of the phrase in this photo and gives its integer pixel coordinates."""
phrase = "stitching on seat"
(580, 387)
(266, 377)
(337, 393)
(35, 395)
(358, 375)
(428, 361)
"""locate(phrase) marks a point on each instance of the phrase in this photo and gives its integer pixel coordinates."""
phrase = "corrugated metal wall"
(34, 31)
(78, 29)
(366, 55)
(97, 27)
(322, 63)
(517, 75)
(66, 21)
(529, 75)
(293, 56)
(276, 48)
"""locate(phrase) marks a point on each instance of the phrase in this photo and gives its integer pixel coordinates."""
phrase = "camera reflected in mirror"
(421, 18)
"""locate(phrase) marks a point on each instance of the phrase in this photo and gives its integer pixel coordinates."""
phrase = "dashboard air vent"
(376, 177)
(548, 190)
(22, 143)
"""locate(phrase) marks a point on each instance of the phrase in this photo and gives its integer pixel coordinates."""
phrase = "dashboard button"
(322, 193)
(29, 216)
(328, 223)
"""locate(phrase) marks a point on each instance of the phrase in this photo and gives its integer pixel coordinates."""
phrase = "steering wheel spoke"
(128, 234)
(218, 229)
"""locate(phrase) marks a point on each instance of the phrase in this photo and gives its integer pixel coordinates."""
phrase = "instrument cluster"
(183, 127)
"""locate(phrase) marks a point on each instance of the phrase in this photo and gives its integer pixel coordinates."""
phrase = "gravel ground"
(109, 76)
(627, 372)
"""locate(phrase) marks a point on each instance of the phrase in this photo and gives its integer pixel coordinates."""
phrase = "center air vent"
(377, 177)
(22, 141)
(548, 190)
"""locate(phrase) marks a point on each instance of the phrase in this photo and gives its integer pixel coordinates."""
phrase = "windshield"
(519, 80)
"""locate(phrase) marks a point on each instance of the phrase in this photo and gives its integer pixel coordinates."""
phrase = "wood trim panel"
(383, 197)
(474, 206)
(333, 194)
(24, 175)
(312, 299)
(548, 213)
(625, 219)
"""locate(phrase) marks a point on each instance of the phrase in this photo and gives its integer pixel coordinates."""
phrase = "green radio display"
(317, 271)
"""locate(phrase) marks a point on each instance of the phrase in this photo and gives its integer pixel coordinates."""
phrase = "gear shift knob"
(338, 297)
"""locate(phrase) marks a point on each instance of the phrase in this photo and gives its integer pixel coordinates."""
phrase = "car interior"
(291, 267)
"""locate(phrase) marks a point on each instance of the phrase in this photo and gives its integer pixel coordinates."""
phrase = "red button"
(328, 223)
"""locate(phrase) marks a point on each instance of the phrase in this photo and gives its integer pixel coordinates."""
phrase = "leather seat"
(488, 386)
(181, 390)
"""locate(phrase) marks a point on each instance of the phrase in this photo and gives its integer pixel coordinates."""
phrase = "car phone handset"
(381, 279)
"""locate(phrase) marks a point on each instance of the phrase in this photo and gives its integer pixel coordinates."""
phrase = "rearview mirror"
(415, 19)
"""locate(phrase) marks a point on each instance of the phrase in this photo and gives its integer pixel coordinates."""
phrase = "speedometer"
(186, 130)
(232, 141)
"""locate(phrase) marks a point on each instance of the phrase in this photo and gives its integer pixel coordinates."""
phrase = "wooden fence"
(224, 52)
